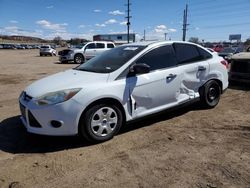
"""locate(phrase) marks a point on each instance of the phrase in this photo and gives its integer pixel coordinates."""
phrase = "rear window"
(110, 45)
(100, 45)
(44, 46)
(186, 53)
(204, 54)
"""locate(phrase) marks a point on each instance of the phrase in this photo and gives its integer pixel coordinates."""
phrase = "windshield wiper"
(87, 70)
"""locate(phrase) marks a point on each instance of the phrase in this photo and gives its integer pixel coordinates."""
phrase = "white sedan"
(128, 82)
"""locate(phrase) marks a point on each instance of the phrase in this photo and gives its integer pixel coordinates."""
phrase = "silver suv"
(47, 50)
(82, 53)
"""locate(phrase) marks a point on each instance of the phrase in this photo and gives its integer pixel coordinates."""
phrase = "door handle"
(171, 76)
(201, 68)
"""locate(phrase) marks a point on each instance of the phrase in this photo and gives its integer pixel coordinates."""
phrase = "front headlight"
(57, 97)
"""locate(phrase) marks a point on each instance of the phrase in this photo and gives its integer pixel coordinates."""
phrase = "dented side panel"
(153, 90)
(193, 77)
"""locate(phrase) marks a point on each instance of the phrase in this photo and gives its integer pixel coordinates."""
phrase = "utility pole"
(128, 18)
(185, 24)
(165, 35)
(144, 35)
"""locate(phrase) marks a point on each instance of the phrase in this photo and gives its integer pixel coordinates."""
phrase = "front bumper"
(37, 119)
(69, 57)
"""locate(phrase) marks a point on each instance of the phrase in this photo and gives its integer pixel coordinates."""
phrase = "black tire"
(90, 131)
(41, 54)
(210, 94)
(79, 58)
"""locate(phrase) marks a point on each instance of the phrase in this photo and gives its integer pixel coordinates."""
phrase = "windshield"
(80, 46)
(111, 60)
(44, 46)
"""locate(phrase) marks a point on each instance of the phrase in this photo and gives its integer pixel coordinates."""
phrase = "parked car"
(126, 83)
(84, 52)
(212, 51)
(227, 53)
(218, 48)
(20, 47)
(240, 67)
(47, 50)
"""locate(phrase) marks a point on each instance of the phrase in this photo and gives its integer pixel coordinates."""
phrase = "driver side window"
(90, 46)
(159, 58)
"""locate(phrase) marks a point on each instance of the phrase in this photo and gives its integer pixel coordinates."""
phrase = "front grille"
(22, 109)
(27, 97)
(32, 120)
(240, 66)
(64, 52)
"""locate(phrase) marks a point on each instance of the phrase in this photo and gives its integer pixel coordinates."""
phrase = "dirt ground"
(187, 147)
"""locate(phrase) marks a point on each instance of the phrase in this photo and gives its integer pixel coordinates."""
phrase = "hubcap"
(78, 59)
(212, 93)
(104, 121)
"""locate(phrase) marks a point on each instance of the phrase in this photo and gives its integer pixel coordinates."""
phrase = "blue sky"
(211, 20)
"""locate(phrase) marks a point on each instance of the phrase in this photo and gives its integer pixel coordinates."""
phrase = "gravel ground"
(186, 147)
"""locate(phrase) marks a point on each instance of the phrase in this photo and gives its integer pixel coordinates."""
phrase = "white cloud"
(197, 28)
(116, 12)
(13, 30)
(111, 21)
(97, 10)
(123, 23)
(172, 30)
(81, 26)
(49, 7)
(100, 25)
(52, 26)
(13, 21)
(160, 29)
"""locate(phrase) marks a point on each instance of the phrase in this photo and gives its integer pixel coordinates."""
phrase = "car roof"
(156, 43)
(242, 55)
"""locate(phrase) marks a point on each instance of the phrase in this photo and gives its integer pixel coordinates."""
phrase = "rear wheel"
(79, 58)
(101, 122)
(210, 94)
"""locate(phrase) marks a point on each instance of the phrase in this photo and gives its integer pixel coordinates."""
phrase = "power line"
(219, 6)
(225, 25)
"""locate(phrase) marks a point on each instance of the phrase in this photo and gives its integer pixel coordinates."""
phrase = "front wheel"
(101, 122)
(79, 58)
(210, 94)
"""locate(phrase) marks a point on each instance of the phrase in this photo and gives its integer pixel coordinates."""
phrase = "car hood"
(64, 80)
(76, 49)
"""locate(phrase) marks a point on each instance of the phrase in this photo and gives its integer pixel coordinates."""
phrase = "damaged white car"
(128, 82)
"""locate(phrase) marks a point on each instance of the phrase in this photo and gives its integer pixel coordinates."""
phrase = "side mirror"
(139, 69)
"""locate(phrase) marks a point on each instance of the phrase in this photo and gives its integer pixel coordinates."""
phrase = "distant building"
(116, 38)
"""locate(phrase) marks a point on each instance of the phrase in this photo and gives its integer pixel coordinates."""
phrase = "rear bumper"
(46, 53)
(241, 77)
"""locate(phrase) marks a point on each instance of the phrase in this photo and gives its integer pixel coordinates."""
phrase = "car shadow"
(71, 63)
(161, 116)
(239, 86)
(15, 139)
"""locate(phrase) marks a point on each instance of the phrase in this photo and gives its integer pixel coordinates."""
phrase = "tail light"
(225, 63)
